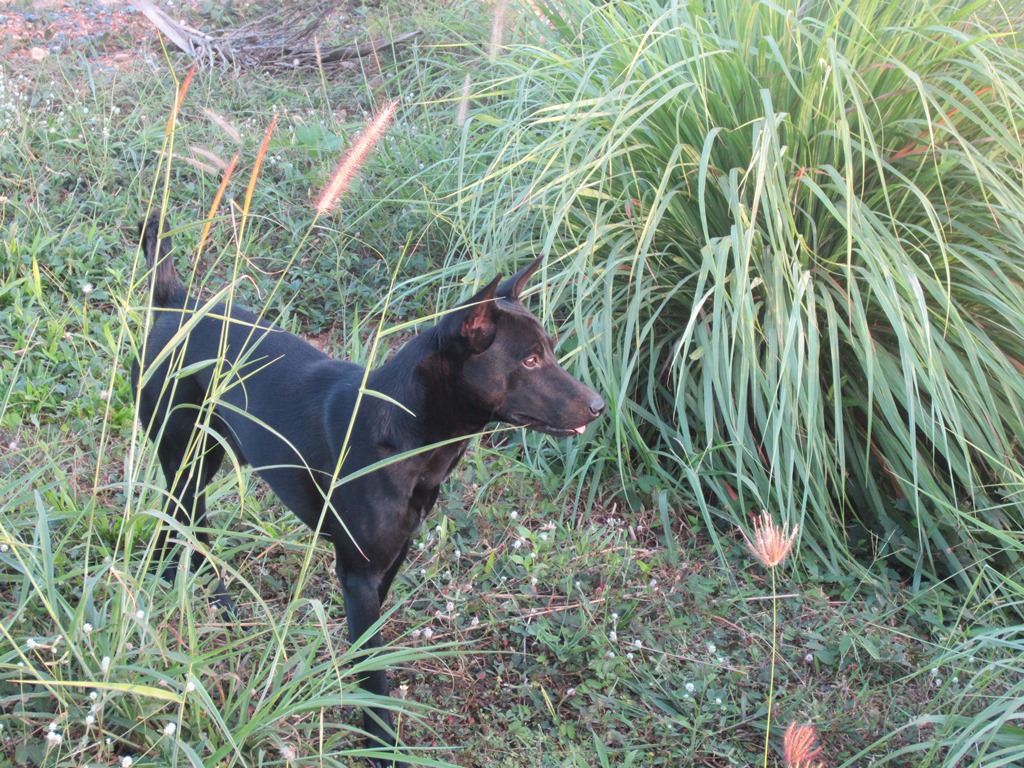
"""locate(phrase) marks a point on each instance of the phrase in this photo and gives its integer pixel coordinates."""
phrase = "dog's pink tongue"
(580, 430)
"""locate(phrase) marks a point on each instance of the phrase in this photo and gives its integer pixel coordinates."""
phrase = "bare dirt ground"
(92, 28)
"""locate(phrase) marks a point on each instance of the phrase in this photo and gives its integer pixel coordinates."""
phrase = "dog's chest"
(433, 469)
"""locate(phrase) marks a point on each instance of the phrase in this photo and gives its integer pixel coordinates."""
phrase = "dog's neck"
(420, 376)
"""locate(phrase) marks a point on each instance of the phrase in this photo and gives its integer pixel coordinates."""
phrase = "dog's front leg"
(362, 605)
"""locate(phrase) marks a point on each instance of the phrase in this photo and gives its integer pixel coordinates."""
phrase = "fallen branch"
(267, 43)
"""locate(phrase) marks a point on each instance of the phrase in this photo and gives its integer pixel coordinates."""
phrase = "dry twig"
(282, 40)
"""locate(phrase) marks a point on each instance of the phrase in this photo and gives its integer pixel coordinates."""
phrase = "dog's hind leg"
(189, 458)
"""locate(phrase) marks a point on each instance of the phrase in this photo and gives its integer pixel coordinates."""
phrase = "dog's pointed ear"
(513, 287)
(476, 322)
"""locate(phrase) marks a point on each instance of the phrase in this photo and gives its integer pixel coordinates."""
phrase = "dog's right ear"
(475, 324)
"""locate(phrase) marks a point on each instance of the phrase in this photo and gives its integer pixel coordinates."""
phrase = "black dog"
(227, 379)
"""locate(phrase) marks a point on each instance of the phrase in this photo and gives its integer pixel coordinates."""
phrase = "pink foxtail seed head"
(799, 747)
(771, 544)
(354, 158)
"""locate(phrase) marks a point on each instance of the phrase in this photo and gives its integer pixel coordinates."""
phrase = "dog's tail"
(167, 286)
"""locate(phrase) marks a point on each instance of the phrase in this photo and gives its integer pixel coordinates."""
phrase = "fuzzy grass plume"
(354, 159)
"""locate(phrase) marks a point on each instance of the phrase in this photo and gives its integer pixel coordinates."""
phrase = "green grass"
(605, 620)
(788, 239)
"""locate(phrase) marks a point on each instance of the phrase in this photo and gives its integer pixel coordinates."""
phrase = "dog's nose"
(596, 406)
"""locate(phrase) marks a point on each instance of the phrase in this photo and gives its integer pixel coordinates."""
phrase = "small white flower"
(712, 648)
(474, 622)
(105, 665)
(718, 701)
(638, 644)
(140, 615)
(809, 658)
(938, 682)
(513, 514)
(450, 607)
(88, 288)
(955, 680)
(170, 728)
(613, 636)
(52, 727)
(90, 719)
(93, 695)
(517, 544)
(126, 762)
(87, 628)
(533, 581)
(53, 739)
(415, 634)
(32, 644)
(190, 686)
(615, 617)
(428, 633)
(458, 553)
(689, 687)
(629, 656)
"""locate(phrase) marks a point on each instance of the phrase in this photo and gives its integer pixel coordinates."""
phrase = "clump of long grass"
(790, 241)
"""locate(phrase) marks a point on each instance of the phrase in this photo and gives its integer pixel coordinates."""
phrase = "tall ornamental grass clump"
(789, 239)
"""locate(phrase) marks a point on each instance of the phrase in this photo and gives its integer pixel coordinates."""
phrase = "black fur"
(284, 407)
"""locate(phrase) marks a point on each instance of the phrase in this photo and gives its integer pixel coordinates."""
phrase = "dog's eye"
(531, 362)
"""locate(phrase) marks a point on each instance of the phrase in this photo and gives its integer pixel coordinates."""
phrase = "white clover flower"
(32, 644)
(629, 655)
(450, 607)
(613, 636)
(513, 514)
(712, 649)
(428, 633)
(689, 687)
(87, 628)
(718, 701)
(53, 739)
(517, 544)
(105, 665)
(170, 728)
(90, 719)
(126, 762)
(638, 644)
(93, 695)
(474, 622)
(140, 615)
(52, 727)
(88, 288)
(809, 658)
